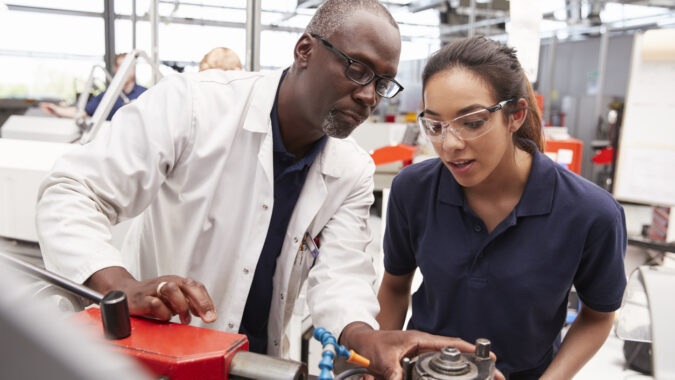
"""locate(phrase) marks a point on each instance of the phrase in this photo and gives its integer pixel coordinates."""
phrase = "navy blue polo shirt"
(289, 177)
(93, 103)
(510, 285)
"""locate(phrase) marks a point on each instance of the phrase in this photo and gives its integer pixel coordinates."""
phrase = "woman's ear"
(517, 118)
(302, 51)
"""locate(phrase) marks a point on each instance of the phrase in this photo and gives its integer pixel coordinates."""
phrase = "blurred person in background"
(220, 58)
(131, 90)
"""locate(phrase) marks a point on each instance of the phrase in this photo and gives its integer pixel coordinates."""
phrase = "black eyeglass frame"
(350, 61)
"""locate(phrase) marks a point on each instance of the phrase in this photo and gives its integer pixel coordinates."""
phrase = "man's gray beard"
(332, 127)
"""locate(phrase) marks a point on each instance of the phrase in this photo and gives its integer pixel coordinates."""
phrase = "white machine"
(646, 315)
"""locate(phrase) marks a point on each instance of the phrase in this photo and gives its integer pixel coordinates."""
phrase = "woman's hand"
(386, 348)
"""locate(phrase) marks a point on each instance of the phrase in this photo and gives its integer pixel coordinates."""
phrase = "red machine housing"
(178, 351)
(576, 146)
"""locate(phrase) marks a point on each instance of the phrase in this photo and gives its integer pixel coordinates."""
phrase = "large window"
(54, 60)
(49, 61)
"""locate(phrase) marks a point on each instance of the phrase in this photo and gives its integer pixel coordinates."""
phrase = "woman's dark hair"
(498, 66)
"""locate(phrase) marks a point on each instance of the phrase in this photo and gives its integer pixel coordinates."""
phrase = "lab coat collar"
(258, 120)
(262, 101)
(329, 159)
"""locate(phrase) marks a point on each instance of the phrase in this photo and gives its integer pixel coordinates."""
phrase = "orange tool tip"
(358, 359)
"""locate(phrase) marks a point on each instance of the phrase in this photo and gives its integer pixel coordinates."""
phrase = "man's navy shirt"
(510, 285)
(93, 103)
(289, 177)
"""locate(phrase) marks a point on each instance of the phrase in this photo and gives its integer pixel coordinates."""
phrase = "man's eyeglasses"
(359, 72)
(466, 127)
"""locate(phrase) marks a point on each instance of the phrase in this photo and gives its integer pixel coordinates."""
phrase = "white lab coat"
(193, 157)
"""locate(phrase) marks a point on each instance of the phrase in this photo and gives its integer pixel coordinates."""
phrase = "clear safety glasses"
(466, 127)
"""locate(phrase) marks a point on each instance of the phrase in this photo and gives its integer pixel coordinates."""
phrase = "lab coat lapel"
(314, 192)
(311, 199)
(258, 119)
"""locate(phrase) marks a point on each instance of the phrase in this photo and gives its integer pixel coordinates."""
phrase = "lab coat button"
(245, 270)
(276, 342)
(295, 239)
(265, 206)
(230, 325)
(282, 296)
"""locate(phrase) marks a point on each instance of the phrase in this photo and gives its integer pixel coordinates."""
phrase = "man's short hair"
(331, 15)
(220, 58)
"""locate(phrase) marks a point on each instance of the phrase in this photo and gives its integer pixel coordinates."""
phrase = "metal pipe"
(133, 24)
(253, 27)
(249, 365)
(53, 278)
(109, 35)
(472, 19)
(444, 30)
(114, 90)
(551, 69)
(602, 61)
(114, 307)
(154, 37)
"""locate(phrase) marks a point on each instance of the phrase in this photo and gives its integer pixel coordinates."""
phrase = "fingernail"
(210, 316)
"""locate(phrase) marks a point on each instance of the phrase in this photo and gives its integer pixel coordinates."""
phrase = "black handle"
(115, 315)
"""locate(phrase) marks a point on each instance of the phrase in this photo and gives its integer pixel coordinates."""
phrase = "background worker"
(227, 172)
(131, 90)
(220, 58)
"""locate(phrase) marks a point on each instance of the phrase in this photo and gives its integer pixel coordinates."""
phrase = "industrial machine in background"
(31, 144)
(644, 320)
(84, 128)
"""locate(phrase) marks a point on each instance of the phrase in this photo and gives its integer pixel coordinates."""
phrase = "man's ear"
(302, 51)
(517, 118)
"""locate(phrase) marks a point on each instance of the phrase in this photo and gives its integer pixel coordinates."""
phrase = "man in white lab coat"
(234, 176)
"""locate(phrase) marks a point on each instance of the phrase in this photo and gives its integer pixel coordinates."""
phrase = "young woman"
(499, 232)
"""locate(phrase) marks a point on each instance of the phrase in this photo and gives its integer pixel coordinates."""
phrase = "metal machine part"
(92, 125)
(114, 307)
(81, 121)
(249, 365)
(451, 364)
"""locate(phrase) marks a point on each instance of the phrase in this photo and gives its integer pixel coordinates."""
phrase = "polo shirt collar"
(537, 198)
(449, 191)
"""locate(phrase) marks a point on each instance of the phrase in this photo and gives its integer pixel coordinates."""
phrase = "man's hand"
(160, 297)
(387, 348)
